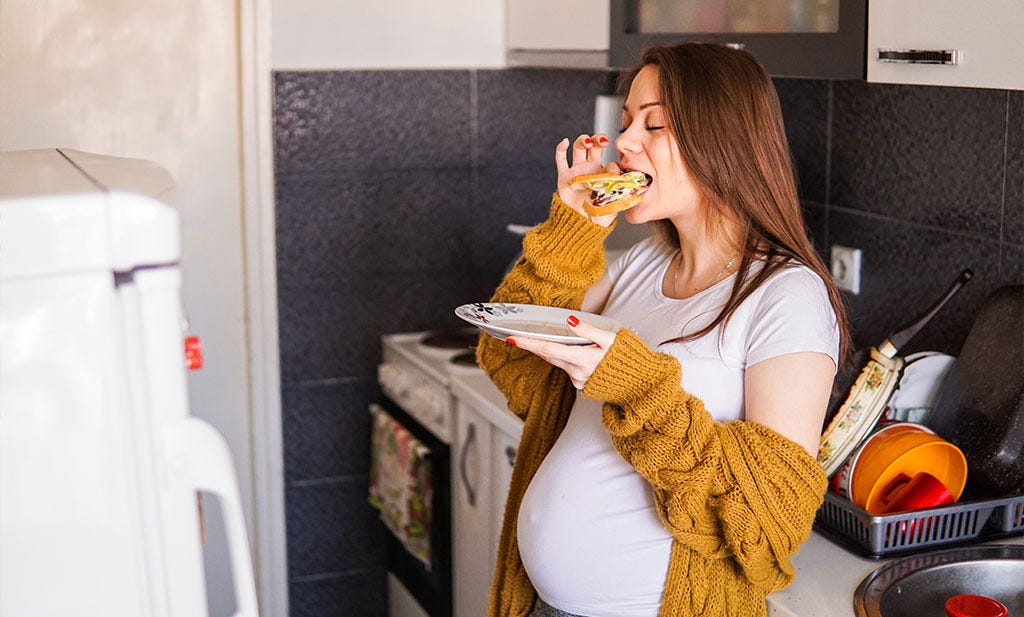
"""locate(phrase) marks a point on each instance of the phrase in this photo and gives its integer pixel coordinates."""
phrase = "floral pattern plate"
(861, 411)
(547, 323)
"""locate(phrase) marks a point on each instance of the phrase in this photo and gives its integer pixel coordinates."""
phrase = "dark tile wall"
(926, 181)
(394, 189)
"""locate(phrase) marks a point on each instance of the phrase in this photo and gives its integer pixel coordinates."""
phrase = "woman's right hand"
(587, 151)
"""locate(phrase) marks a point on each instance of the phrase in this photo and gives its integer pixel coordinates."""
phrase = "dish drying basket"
(890, 534)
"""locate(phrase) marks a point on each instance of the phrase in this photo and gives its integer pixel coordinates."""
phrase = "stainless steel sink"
(920, 584)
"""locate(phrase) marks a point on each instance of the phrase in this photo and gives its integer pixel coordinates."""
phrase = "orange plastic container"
(904, 449)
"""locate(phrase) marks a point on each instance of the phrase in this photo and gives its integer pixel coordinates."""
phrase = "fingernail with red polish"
(511, 341)
(588, 141)
(572, 321)
(603, 140)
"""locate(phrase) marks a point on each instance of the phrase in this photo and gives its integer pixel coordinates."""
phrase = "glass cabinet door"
(792, 38)
(725, 16)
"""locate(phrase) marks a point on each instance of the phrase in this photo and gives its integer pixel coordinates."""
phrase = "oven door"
(429, 585)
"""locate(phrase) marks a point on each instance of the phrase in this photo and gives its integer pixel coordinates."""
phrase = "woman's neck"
(702, 261)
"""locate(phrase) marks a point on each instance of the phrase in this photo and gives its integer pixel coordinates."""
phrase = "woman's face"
(647, 144)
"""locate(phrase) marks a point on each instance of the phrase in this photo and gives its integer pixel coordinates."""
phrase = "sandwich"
(610, 192)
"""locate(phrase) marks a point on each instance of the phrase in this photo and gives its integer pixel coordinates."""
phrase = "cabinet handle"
(510, 454)
(470, 437)
(920, 56)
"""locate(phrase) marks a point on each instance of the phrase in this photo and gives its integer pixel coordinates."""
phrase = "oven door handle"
(470, 438)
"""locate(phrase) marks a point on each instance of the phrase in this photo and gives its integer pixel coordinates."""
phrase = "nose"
(627, 142)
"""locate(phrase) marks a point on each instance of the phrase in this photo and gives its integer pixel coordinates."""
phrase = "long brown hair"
(724, 113)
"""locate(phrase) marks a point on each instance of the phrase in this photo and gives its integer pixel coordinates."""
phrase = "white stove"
(414, 375)
(434, 379)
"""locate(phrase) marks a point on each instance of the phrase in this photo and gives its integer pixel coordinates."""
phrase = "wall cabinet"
(562, 33)
(798, 38)
(946, 43)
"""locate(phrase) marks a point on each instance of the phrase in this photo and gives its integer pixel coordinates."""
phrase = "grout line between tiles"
(829, 104)
(347, 380)
(328, 480)
(923, 226)
(314, 578)
(1006, 171)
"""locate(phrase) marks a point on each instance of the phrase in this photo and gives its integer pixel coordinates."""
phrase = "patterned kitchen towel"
(401, 483)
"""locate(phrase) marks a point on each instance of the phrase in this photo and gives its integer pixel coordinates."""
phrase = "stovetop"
(416, 372)
(450, 338)
(438, 353)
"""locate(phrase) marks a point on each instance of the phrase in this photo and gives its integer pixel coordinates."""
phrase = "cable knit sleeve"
(562, 258)
(733, 490)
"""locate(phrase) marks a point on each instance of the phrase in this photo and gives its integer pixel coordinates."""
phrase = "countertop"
(827, 575)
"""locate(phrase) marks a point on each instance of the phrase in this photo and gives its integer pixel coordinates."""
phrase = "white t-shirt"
(589, 534)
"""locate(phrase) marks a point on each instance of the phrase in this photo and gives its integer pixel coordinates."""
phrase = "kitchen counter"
(826, 577)
(826, 574)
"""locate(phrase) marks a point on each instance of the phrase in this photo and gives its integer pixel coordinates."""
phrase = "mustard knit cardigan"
(737, 497)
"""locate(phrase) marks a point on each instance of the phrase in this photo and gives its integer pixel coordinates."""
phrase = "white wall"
(155, 79)
(328, 34)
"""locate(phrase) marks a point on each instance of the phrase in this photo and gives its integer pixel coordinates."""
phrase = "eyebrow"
(644, 106)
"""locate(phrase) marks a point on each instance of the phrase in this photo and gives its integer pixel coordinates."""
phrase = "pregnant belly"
(589, 534)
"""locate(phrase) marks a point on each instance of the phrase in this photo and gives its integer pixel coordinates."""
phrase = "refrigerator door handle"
(198, 456)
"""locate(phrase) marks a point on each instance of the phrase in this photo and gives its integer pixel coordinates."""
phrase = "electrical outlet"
(846, 268)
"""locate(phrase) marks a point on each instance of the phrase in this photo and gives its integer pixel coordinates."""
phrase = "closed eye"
(648, 128)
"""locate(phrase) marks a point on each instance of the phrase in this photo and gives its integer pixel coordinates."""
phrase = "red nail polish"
(572, 321)
(511, 341)
(588, 141)
(604, 140)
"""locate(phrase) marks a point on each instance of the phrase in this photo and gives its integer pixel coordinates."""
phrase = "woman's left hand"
(578, 361)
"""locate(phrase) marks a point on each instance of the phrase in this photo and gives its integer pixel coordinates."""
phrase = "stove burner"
(454, 338)
(466, 358)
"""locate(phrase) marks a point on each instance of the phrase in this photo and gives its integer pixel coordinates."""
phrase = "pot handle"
(891, 346)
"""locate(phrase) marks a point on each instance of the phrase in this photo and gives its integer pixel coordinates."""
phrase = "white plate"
(540, 322)
(919, 386)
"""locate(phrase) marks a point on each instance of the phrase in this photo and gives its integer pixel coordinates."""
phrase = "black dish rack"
(896, 534)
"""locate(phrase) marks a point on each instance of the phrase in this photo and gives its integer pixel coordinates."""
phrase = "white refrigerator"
(100, 461)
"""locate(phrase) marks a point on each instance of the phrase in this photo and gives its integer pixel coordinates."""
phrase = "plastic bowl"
(904, 448)
(842, 481)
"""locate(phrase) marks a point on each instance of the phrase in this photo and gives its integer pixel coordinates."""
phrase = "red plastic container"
(975, 606)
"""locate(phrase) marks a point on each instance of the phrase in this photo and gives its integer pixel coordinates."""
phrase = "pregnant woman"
(668, 468)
